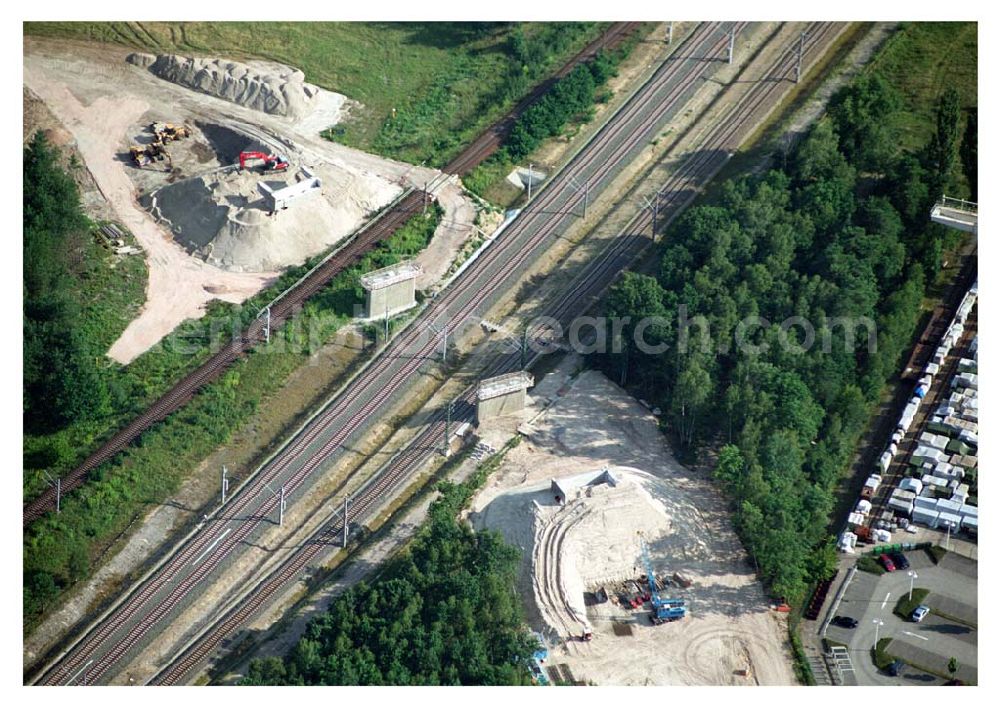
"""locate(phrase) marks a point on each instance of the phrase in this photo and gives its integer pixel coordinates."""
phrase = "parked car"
(900, 561)
(887, 563)
(842, 621)
(919, 613)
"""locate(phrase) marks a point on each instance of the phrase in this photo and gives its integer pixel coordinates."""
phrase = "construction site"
(218, 169)
(630, 569)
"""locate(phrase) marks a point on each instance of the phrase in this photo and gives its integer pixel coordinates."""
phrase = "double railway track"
(373, 234)
(126, 627)
(677, 191)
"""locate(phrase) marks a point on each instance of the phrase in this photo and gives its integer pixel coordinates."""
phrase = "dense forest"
(837, 236)
(445, 612)
(61, 382)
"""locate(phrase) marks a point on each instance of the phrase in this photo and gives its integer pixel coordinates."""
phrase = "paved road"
(932, 642)
(225, 536)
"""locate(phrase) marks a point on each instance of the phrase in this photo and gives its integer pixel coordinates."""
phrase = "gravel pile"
(223, 218)
(271, 88)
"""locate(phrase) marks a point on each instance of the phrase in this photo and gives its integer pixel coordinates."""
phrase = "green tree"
(818, 155)
(693, 390)
(443, 612)
(970, 153)
(61, 381)
(943, 148)
(860, 114)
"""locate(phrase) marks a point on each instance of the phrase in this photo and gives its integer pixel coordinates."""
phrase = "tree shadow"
(443, 35)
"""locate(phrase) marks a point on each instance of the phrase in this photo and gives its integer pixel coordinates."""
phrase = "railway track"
(693, 173)
(126, 627)
(491, 139)
(376, 232)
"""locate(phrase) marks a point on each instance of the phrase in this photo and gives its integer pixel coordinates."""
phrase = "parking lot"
(952, 633)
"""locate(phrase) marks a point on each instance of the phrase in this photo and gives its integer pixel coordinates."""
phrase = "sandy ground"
(224, 217)
(593, 423)
(99, 99)
(179, 286)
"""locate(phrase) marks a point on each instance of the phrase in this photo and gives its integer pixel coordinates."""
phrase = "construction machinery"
(165, 132)
(272, 162)
(143, 155)
(665, 610)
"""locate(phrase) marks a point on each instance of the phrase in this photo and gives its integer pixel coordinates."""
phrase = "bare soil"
(179, 286)
(100, 101)
(731, 636)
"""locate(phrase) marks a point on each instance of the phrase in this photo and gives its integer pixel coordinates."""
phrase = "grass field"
(446, 81)
(922, 59)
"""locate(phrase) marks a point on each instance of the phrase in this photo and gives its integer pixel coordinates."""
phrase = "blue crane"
(664, 609)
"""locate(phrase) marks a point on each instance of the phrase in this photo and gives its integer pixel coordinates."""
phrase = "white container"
(969, 511)
(901, 505)
(948, 506)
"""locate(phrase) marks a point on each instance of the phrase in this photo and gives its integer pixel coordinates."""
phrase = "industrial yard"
(592, 481)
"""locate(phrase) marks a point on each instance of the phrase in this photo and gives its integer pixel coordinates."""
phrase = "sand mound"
(591, 538)
(224, 218)
(271, 88)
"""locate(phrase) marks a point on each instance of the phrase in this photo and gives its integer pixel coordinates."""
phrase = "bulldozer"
(166, 132)
(142, 156)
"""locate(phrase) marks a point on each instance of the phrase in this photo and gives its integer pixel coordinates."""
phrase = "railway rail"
(693, 173)
(492, 138)
(169, 588)
(376, 232)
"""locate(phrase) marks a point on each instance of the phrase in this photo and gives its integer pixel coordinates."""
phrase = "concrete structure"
(563, 488)
(504, 394)
(956, 213)
(390, 290)
(280, 198)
